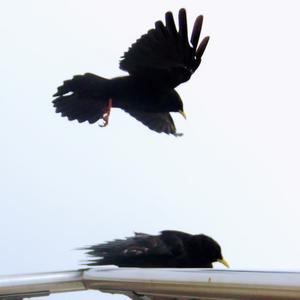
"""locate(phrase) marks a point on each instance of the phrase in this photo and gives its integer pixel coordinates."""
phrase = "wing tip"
(182, 11)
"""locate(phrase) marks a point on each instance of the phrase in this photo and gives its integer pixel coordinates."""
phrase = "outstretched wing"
(166, 53)
(159, 122)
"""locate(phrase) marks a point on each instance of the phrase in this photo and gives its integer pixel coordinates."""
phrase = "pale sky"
(234, 175)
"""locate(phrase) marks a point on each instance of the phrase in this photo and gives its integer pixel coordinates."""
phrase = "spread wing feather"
(159, 122)
(166, 52)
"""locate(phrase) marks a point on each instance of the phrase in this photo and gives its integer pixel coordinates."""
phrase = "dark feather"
(196, 32)
(183, 32)
(159, 122)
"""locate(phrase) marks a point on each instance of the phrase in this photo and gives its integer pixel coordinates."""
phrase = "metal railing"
(157, 283)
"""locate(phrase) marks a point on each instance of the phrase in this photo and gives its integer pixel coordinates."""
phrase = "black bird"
(157, 62)
(170, 249)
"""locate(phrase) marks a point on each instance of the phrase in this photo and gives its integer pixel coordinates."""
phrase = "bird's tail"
(82, 98)
(110, 253)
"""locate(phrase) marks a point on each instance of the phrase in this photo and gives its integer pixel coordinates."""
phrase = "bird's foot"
(178, 134)
(106, 113)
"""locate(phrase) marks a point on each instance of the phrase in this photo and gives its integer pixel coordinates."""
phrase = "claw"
(106, 113)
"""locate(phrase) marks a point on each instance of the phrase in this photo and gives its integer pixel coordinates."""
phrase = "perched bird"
(159, 61)
(170, 249)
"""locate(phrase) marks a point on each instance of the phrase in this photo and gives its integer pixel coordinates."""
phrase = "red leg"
(106, 112)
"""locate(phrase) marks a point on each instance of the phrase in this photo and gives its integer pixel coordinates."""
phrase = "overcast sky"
(234, 175)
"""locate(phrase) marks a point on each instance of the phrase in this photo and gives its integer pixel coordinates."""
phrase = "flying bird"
(157, 62)
(170, 249)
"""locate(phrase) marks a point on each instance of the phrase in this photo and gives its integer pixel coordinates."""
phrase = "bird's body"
(128, 91)
(158, 62)
(170, 249)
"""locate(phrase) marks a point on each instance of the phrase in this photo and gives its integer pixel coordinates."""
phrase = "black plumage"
(170, 249)
(157, 62)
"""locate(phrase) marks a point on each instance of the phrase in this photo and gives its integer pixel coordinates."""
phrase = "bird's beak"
(223, 262)
(182, 113)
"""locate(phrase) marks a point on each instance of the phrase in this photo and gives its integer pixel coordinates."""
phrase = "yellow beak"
(182, 113)
(224, 262)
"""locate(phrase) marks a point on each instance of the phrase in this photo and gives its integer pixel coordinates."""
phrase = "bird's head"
(173, 103)
(205, 246)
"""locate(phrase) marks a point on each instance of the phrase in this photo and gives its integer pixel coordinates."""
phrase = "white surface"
(234, 175)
